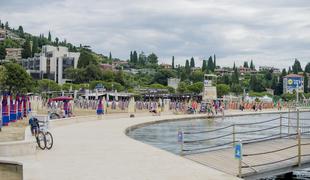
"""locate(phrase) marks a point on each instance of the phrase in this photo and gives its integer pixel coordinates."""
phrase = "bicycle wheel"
(41, 140)
(49, 140)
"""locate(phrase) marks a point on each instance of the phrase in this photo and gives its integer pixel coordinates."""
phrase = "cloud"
(269, 32)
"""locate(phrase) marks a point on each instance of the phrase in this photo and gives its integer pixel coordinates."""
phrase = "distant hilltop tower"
(209, 88)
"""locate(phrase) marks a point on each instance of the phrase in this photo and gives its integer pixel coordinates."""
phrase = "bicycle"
(43, 137)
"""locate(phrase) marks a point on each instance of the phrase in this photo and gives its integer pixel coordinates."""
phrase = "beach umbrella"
(5, 111)
(100, 107)
(12, 110)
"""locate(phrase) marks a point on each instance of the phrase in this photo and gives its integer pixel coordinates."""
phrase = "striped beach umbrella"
(19, 107)
(100, 107)
(5, 111)
(12, 110)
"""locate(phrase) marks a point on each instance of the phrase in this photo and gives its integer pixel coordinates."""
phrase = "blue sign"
(294, 82)
(238, 151)
(180, 136)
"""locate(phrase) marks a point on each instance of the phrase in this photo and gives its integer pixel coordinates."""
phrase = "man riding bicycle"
(34, 125)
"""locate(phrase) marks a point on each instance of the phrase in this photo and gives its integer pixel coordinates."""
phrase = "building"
(223, 71)
(173, 82)
(51, 63)
(13, 54)
(106, 66)
(244, 70)
(166, 66)
(269, 68)
(293, 83)
(209, 87)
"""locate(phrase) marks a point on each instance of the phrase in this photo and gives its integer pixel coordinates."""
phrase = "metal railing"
(283, 122)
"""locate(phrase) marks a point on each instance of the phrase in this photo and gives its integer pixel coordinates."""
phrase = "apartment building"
(51, 63)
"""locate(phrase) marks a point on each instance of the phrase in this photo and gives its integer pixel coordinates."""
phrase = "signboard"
(238, 151)
(294, 82)
(180, 136)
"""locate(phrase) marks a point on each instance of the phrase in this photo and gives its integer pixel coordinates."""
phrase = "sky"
(271, 32)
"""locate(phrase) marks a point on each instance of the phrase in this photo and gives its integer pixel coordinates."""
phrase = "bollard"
(234, 135)
(299, 148)
(181, 141)
(280, 125)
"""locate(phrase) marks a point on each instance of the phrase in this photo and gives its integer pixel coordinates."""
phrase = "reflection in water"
(164, 135)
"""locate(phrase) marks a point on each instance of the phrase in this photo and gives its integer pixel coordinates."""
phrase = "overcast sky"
(271, 32)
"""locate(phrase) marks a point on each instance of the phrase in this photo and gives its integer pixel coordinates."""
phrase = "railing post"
(234, 135)
(280, 125)
(298, 125)
(299, 147)
(289, 120)
(181, 141)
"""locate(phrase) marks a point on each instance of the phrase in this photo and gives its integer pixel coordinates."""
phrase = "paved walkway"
(100, 149)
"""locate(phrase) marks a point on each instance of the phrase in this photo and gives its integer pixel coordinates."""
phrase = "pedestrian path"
(100, 149)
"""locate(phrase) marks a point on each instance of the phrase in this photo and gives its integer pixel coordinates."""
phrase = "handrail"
(260, 122)
(269, 163)
(257, 130)
(199, 132)
(268, 152)
(202, 140)
(210, 147)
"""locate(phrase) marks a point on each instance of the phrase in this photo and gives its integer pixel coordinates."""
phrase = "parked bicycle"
(40, 130)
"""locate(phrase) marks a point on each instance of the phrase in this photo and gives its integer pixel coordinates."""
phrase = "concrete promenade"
(100, 149)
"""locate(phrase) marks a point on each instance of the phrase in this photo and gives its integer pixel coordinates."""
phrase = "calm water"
(164, 135)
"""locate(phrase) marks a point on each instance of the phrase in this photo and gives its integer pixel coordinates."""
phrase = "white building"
(173, 82)
(51, 63)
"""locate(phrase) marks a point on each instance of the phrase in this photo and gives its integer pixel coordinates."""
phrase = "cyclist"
(34, 125)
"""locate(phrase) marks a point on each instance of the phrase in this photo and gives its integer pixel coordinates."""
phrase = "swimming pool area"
(164, 135)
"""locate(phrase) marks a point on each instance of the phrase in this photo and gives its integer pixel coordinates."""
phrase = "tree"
(235, 77)
(195, 88)
(17, 79)
(110, 56)
(142, 59)
(256, 85)
(214, 63)
(210, 64)
(34, 46)
(204, 65)
(152, 58)
(49, 36)
(172, 64)
(197, 76)
(306, 82)
(3, 76)
(187, 67)
(296, 67)
(56, 41)
(182, 87)
(161, 77)
(92, 72)
(7, 25)
(21, 31)
(26, 53)
(2, 51)
(131, 57)
(252, 65)
(192, 63)
(222, 89)
(47, 85)
(86, 58)
(307, 68)
(119, 77)
(236, 88)
(234, 67)
(245, 64)
(135, 58)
